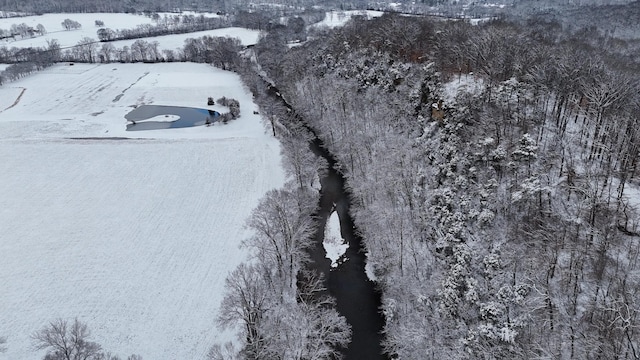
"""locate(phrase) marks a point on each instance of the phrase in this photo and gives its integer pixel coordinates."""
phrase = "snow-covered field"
(132, 236)
(172, 42)
(190, 13)
(52, 23)
(339, 18)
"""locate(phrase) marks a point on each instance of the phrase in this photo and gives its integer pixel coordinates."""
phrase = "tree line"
(166, 25)
(222, 52)
(281, 305)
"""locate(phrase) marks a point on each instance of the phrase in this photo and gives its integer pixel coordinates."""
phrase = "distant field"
(52, 23)
(134, 237)
(172, 42)
(339, 18)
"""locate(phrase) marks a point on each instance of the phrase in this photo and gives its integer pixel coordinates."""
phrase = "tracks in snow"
(17, 100)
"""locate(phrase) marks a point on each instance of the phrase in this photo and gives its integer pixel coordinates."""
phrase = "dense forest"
(494, 176)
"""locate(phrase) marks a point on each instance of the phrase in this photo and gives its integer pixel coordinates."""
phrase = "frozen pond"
(155, 117)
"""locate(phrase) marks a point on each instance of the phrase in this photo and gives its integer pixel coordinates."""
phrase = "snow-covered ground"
(461, 85)
(52, 23)
(132, 236)
(333, 243)
(190, 13)
(172, 42)
(339, 18)
(336, 247)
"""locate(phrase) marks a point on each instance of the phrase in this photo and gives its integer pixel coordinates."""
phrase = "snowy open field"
(134, 236)
(53, 24)
(339, 18)
(172, 42)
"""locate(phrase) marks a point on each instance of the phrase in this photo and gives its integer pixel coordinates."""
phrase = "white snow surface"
(462, 85)
(52, 23)
(190, 13)
(172, 42)
(135, 236)
(333, 243)
(339, 18)
(335, 246)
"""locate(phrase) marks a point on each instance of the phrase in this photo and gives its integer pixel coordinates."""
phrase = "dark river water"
(357, 298)
(141, 117)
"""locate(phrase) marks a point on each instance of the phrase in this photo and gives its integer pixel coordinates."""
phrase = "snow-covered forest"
(502, 222)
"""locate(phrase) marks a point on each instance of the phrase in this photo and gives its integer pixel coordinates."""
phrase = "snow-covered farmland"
(66, 38)
(172, 42)
(190, 13)
(132, 236)
(53, 24)
(339, 18)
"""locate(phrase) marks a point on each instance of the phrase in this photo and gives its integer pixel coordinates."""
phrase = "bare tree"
(69, 24)
(139, 50)
(105, 34)
(226, 352)
(85, 50)
(106, 53)
(53, 50)
(283, 228)
(64, 341)
(41, 29)
(304, 331)
(245, 302)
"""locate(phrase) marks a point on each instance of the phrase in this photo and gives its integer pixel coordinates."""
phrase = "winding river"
(356, 296)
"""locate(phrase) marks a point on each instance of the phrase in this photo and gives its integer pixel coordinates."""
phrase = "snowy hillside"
(132, 236)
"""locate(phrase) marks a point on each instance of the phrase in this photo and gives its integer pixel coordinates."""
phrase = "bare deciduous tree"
(283, 228)
(220, 352)
(245, 303)
(69, 24)
(65, 341)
